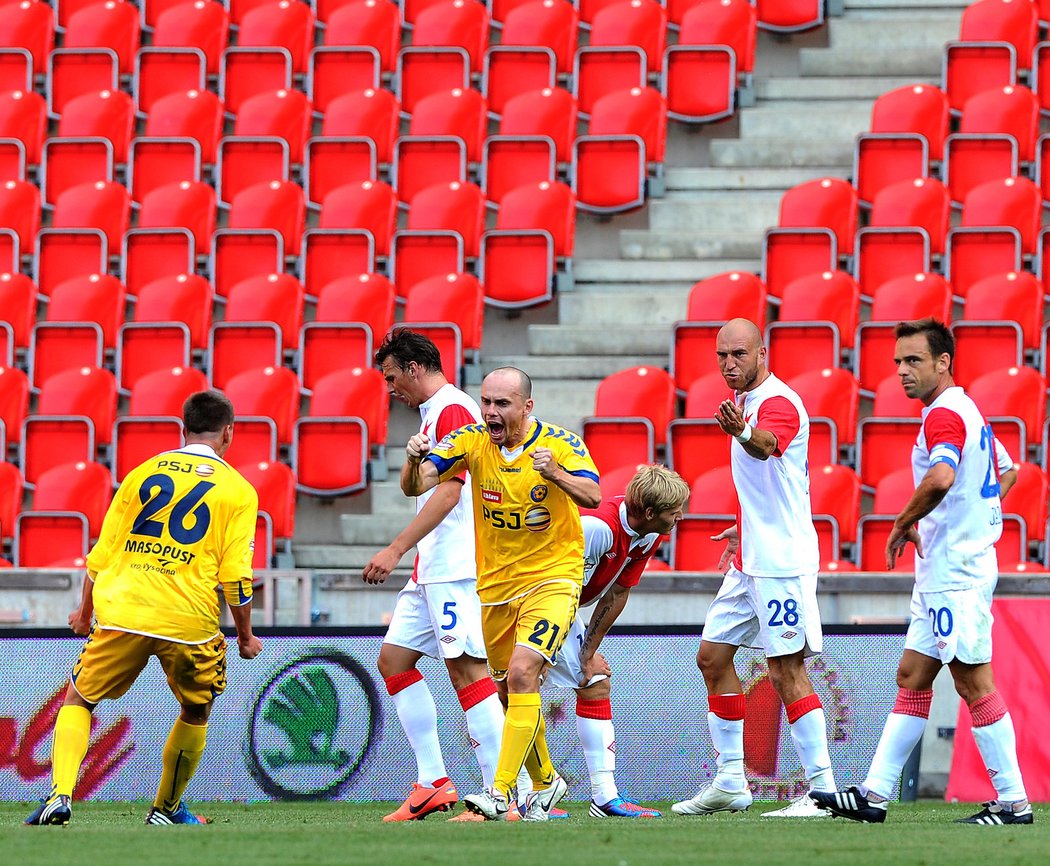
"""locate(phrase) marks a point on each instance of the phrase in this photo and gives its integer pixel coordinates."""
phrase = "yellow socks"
(523, 742)
(182, 753)
(538, 759)
(72, 732)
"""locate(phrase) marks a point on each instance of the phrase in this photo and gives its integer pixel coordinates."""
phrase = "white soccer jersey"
(774, 518)
(968, 521)
(447, 552)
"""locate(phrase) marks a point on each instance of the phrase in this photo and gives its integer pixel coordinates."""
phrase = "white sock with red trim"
(725, 721)
(595, 728)
(484, 713)
(902, 732)
(993, 730)
(418, 716)
(809, 731)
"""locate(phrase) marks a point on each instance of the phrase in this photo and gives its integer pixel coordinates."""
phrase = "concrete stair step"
(776, 151)
(387, 498)
(544, 367)
(806, 120)
(598, 310)
(692, 180)
(689, 244)
(348, 556)
(868, 87)
(865, 31)
(565, 402)
(586, 339)
(376, 529)
(908, 5)
(723, 211)
(923, 62)
(618, 273)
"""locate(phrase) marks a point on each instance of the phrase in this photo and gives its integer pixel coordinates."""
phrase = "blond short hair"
(656, 487)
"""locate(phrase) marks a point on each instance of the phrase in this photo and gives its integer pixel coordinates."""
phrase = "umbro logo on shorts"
(788, 635)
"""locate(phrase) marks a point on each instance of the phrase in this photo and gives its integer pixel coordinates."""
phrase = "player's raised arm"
(418, 475)
(581, 487)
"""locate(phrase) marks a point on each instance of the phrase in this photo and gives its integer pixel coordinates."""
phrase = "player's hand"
(595, 666)
(418, 447)
(544, 463)
(731, 536)
(730, 418)
(249, 647)
(897, 541)
(380, 566)
(80, 623)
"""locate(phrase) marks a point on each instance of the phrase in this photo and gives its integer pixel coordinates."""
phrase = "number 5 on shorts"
(449, 610)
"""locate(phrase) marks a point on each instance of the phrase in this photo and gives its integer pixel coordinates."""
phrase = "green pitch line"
(319, 834)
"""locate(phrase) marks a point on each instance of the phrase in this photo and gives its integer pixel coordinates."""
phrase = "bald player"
(769, 596)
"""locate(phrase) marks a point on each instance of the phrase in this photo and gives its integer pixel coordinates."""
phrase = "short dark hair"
(938, 337)
(207, 412)
(404, 346)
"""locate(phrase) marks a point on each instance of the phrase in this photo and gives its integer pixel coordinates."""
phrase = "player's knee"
(712, 665)
(388, 666)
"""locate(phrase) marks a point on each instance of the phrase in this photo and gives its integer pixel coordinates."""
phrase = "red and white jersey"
(969, 520)
(774, 518)
(613, 552)
(447, 552)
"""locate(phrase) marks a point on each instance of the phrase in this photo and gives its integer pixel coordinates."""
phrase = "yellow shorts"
(112, 660)
(539, 620)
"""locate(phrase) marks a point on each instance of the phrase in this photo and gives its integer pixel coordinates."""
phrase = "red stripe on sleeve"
(944, 427)
(452, 417)
(778, 416)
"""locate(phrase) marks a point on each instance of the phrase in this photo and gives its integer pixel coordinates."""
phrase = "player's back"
(181, 523)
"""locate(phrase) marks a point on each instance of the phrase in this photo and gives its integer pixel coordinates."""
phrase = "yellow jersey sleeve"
(457, 450)
(181, 524)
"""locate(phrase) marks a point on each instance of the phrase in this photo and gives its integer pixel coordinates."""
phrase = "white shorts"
(777, 614)
(956, 624)
(567, 672)
(440, 620)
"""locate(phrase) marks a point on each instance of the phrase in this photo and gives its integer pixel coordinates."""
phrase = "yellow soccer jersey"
(527, 529)
(181, 524)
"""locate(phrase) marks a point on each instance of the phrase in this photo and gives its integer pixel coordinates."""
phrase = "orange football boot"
(423, 800)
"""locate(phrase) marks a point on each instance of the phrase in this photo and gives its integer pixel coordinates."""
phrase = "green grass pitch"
(319, 834)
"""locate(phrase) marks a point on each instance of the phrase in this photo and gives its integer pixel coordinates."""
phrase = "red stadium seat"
(550, 24)
(23, 117)
(369, 23)
(457, 207)
(240, 347)
(459, 112)
(695, 445)
(10, 499)
(831, 395)
(510, 161)
(81, 486)
(72, 72)
(277, 298)
(136, 439)
(835, 492)
(973, 253)
(615, 442)
(244, 161)
(272, 392)
(423, 161)
(1027, 499)
(969, 67)
(1017, 392)
(157, 162)
(692, 547)
(285, 24)
(787, 16)
(330, 346)
(334, 162)
(102, 205)
(18, 306)
(159, 72)
(285, 114)
(550, 112)
(458, 24)
(1016, 24)
(163, 392)
(516, 267)
(788, 254)
(14, 405)
(873, 531)
(237, 255)
(144, 347)
(416, 256)
(455, 298)
(20, 211)
(188, 205)
(98, 298)
(275, 484)
(330, 254)
(200, 24)
(107, 114)
(331, 455)
(1002, 319)
(1013, 201)
(714, 492)
(367, 299)
(58, 346)
(372, 113)
(16, 69)
(46, 538)
(87, 391)
(646, 392)
(892, 402)
(70, 162)
(153, 254)
(62, 254)
(883, 446)
(893, 492)
(277, 205)
(196, 114)
(371, 206)
(600, 71)
(827, 202)
(111, 24)
(920, 202)
(336, 71)
(247, 72)
(184, 298)
(513, 70)
(30, 25)
(359, 392)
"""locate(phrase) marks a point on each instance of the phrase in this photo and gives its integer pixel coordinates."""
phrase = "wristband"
(745, 435)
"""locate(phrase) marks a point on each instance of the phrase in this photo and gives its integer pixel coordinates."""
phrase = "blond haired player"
(529, 480)
(181, 525)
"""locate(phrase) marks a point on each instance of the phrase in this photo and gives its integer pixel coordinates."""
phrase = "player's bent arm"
(1007, 480)
(248, 645)
(932, 489)
(80, 619)
(606, 612)
(418, 476)
(434, 510)
(581, 489)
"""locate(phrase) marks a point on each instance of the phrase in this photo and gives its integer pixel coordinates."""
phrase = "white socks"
(418, 715)
(599, 747)
(809, 731)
